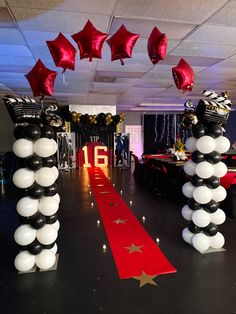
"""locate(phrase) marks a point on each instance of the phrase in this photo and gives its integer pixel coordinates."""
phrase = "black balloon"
(37, 221)
(47, 132)
(33, 131)
(213, 182)
(193, 228)
(198, 131)
(35, 247)
(197, 156)
(49, 246)
(19, 132)
(36, 191)
(49, 161)
(214, 130)
(35, 162)
(213, 157)
(212, 206)
(193, 204)
(51, 190)
(52, 219)
(211, 230)
(197, 181)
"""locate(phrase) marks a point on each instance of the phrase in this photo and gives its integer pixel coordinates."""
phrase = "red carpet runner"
(133, 249)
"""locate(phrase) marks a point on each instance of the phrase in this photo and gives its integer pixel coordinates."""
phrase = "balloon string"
(122, 62)
(64, 78)
(90, 58)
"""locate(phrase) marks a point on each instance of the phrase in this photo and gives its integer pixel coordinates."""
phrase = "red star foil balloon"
(157, 46)
(183, 76)
(63, 52)
(90, 41)
(122, 44)
(41, 80)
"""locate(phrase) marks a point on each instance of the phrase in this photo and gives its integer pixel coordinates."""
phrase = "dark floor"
(86, 280)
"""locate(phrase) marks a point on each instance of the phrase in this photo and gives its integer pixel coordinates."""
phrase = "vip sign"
(94, 154)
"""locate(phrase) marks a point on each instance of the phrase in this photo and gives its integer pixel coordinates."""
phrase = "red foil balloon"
(90, 41)
(122, 44)
(41, 80)
(157, 45)
(183, 76)
(63, 52)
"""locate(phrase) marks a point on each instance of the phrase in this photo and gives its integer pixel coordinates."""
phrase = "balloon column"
(37, 209)
(205, 168)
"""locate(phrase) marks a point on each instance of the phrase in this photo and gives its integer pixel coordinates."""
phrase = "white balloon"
(206, 144)
(202, 194)
(45, 260)
(23, 178)
(204, 170)
(218, 217)
(54, 249)
(219, 194)
(190, 144)
(189, 167)
(187, 235)
(24, 261)
(55, 171)
(48, 205)
(55, 146)
(217, 241)
(220, 169)
(187, 213)
(57, 197)
(44, 147)
(47, 234)
(188, 189)
(23, 148)
(222, 144)
(56, 225)
(25, 235)
(45, 176)
(201, 242)
(201, 218)
(27, 206)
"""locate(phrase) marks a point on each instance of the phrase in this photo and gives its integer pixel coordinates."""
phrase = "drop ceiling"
(203, 32)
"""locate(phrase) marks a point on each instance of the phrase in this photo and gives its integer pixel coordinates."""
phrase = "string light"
(92, 204)
(98, 222)
(121, 192)
(104, 247)
(131, 203)
(143, 218)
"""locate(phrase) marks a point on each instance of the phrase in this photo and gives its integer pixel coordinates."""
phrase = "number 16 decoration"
(94, 154)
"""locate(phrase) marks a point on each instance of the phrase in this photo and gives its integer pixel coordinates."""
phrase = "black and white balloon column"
(38, 208)
(204, 191)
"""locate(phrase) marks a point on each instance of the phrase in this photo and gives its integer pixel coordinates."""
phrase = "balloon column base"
(211, 250)
(36, 269)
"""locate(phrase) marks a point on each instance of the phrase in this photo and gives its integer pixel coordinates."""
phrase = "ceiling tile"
(108, 88)
(144, 92)
(120, 74)
(143, 27)
(192, 60)
(89, 6)
(28, 61)
(15, 50)
(129, 66)
(203, 50)
(225, 16)
(213, 34)
(57, 21)
(195, 11)
(11, 36)
(6, 18)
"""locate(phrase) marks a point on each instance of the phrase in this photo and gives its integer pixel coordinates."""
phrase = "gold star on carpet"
(134, 248)
(119, 221)
(146, 279)
(105, 192)
(113, 204)
(100, 185)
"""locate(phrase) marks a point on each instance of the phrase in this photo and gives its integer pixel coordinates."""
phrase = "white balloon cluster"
(204, 191)
(38, 210)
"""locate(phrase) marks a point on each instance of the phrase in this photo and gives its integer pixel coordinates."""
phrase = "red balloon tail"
(64, 78)
(122, 62)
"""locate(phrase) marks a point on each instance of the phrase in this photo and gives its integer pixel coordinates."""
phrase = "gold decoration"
(134, 248)
(146, 279)
(113, 204)
(105, 192)
(119, 221)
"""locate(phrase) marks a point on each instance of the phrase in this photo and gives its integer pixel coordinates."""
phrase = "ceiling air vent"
(104, 79)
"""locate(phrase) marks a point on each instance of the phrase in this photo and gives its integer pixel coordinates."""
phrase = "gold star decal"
(105, 192)
(113, 204)
(100, 185)
(134, 248)
(119, 221)
(146, 279)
